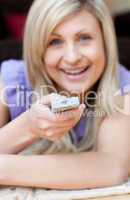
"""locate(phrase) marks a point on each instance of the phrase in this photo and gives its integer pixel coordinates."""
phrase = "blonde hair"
(43, 17)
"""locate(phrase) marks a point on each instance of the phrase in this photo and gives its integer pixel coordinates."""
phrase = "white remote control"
(60, 104)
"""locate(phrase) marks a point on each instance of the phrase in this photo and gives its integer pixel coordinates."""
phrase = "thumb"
(81, 110)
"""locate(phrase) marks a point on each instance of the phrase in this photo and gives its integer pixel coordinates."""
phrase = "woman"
(69, 48)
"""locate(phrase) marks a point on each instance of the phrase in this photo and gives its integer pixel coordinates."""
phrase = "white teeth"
(75, 71)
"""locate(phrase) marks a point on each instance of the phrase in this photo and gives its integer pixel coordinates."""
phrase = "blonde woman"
(69, 49)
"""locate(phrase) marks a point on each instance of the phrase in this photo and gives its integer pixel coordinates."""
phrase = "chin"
(76, 90)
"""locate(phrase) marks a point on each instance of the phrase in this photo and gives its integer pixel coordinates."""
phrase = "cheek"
(52, 58)
(95, 54)
(100, 56)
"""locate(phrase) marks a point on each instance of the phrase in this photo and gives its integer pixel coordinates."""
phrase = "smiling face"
(75, 56)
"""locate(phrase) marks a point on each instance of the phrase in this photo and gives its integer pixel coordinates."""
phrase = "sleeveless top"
(13, 73)
(17, 88)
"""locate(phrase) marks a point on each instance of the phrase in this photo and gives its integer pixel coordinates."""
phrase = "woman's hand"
(46, 124)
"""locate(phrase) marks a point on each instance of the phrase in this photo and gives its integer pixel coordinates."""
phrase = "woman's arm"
(15, 136)
(37, 122)
(63, 171)
(106, 167)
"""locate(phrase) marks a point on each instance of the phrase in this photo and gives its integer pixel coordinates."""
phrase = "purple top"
(17, 88)
(14, 78)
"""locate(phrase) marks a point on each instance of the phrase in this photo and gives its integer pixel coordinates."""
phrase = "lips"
(76, 75)
(75, 72)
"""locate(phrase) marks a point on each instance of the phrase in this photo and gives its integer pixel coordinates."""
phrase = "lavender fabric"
(124, 80)
(14, 78)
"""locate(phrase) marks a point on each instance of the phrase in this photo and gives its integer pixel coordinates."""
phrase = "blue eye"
(84, 37)
(55, 42)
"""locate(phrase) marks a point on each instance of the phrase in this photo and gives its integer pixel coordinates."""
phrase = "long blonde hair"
(43, 17)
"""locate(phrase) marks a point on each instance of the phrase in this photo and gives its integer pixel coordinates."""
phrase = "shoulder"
(109, 122)
(4, 111)
(114, 134)
(15, 86)
(13, 71)
(121, 110)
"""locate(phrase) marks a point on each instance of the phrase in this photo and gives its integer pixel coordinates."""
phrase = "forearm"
(63, 171)
(15, 136)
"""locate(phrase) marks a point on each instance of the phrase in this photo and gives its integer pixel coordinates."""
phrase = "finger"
(53, 134)
(69, 115)
(46, 124)
(41, 110)
(47, 99)
(56, 132)
(44, 112)
(81, 110)
(63, 124)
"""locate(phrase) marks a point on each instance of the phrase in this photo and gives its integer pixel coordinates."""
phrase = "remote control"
(60, 104)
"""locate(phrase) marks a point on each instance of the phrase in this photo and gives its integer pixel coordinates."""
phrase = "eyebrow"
(82, 30)
(56, 34)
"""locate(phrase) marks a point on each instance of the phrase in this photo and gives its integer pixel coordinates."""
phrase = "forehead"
(83, 20)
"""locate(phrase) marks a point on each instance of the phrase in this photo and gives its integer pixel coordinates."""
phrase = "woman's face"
(75, 57)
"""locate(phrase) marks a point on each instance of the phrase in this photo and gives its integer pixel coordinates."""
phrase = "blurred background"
(13, 15)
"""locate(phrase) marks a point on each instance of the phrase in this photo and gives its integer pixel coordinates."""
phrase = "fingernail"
(83, 106)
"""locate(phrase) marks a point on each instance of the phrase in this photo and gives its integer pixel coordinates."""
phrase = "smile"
(77, 74)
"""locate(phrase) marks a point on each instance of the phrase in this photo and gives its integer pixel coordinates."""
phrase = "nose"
(72, 54)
